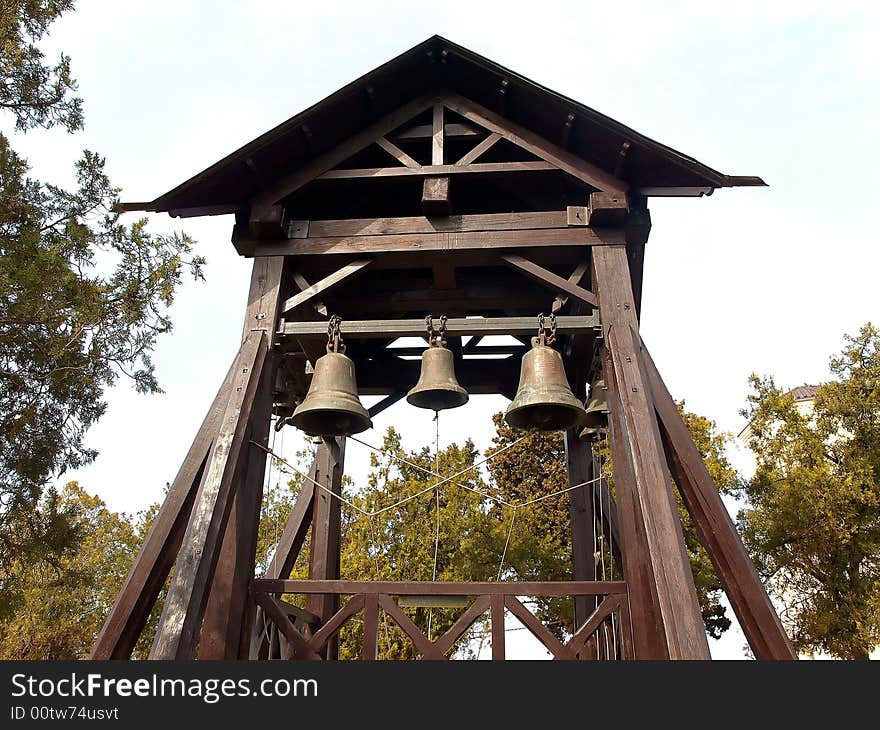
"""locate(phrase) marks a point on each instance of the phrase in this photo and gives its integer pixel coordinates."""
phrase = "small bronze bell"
(332, 407)
(438, 388)
(543, 399)
(597, 405)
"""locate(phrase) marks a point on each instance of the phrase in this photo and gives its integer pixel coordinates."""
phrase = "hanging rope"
(506, 543)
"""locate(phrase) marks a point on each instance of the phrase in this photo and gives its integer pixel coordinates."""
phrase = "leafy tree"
(82, 296)
(65, 595)
(813, 518)
(540, 547)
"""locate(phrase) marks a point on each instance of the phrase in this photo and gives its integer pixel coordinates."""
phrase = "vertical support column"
(229, 616)
(641, 455)
(326, 528)
(579, 463)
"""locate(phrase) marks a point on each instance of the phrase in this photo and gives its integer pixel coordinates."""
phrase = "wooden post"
(226, 631)
(184, 607)
(735, 570)
(130, 612)
(579, 463)
(326, 527)
(676, 597)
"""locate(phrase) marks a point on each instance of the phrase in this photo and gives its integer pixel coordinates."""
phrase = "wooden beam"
(579, 465)
(437, 140)
(496, 619)
(455, 327)
(452, 131)
(304, 285)
(444, 588)
(268, 281)
(606, 209)
(476, 168)
(122, 627)
(681, 620)
(423, 224)
(551, 280)
(435, 197)
(575, 278)
(742, 584)
(482, 147)
(388, 401)
(326, 528)
(289, 184)
(421, 242)
(184, 607)
(326, 284)
(397, 153)
(535, 144)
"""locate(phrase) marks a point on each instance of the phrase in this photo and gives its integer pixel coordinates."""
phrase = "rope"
(506, 543)
(437, 511)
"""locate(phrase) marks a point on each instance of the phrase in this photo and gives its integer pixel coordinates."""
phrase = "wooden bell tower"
(439, 183)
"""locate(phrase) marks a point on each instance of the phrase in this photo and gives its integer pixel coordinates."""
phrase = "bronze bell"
(543, 399)
(437, 388)
(597, 405)
(332, 407)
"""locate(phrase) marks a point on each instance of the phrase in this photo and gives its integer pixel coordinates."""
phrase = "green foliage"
(813, 518)
(61, 597)
(82, 296)
(541, 544)
(37, 94)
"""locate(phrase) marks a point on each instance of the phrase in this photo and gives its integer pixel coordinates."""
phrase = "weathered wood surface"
(551, 280)
(742, 584)
(681, 620)
(340, 276)
(184, 607)
(439, 241)
(579, 465)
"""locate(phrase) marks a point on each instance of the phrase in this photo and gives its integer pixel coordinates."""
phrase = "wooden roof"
(649, 168)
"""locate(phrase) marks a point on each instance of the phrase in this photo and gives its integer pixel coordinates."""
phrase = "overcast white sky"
(763, 279)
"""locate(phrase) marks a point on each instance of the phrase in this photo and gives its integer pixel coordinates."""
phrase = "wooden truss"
(582, 262)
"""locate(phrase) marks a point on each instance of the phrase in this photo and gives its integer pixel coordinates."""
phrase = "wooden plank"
(742, 584)
(423, 224)
(579, 465)
(535, 144)
(370, 643)
(326, 284)
(397, 153)
(537, 629)
(331, 627)
(603, 611)
(482, 147)
(326, 526)
(229, 614)
(289, 184)
(551, 280)
(301, 648)
(426, 131)
(476, 168)
(184, 607)
(681, 620)
(136, 598)
(446, 642)
(579, 272)
(445, 588)
(496, 614)
(303, 285)
(422, 643)
(455, 327)
(442, 241)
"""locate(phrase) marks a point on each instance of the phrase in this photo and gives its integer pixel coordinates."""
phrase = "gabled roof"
(650, 168)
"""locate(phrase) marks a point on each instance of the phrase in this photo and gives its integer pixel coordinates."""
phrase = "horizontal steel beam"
(458, 327)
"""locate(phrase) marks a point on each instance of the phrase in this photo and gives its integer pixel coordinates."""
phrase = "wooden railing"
(297, 634)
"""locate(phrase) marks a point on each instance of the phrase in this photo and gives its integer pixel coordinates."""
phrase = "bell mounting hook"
(436, 335)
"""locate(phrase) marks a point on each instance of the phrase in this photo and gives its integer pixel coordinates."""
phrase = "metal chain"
(436, 335)
(334, 335)
(546, 335)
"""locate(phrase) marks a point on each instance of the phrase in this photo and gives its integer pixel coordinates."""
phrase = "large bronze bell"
(597, 404)
(543, 399)
(437, 388)
(332, 407)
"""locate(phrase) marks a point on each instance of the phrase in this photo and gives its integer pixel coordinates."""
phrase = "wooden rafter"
(551, 280)
(326, 284)
(397, 153)
(479, 149)
(433, 170)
